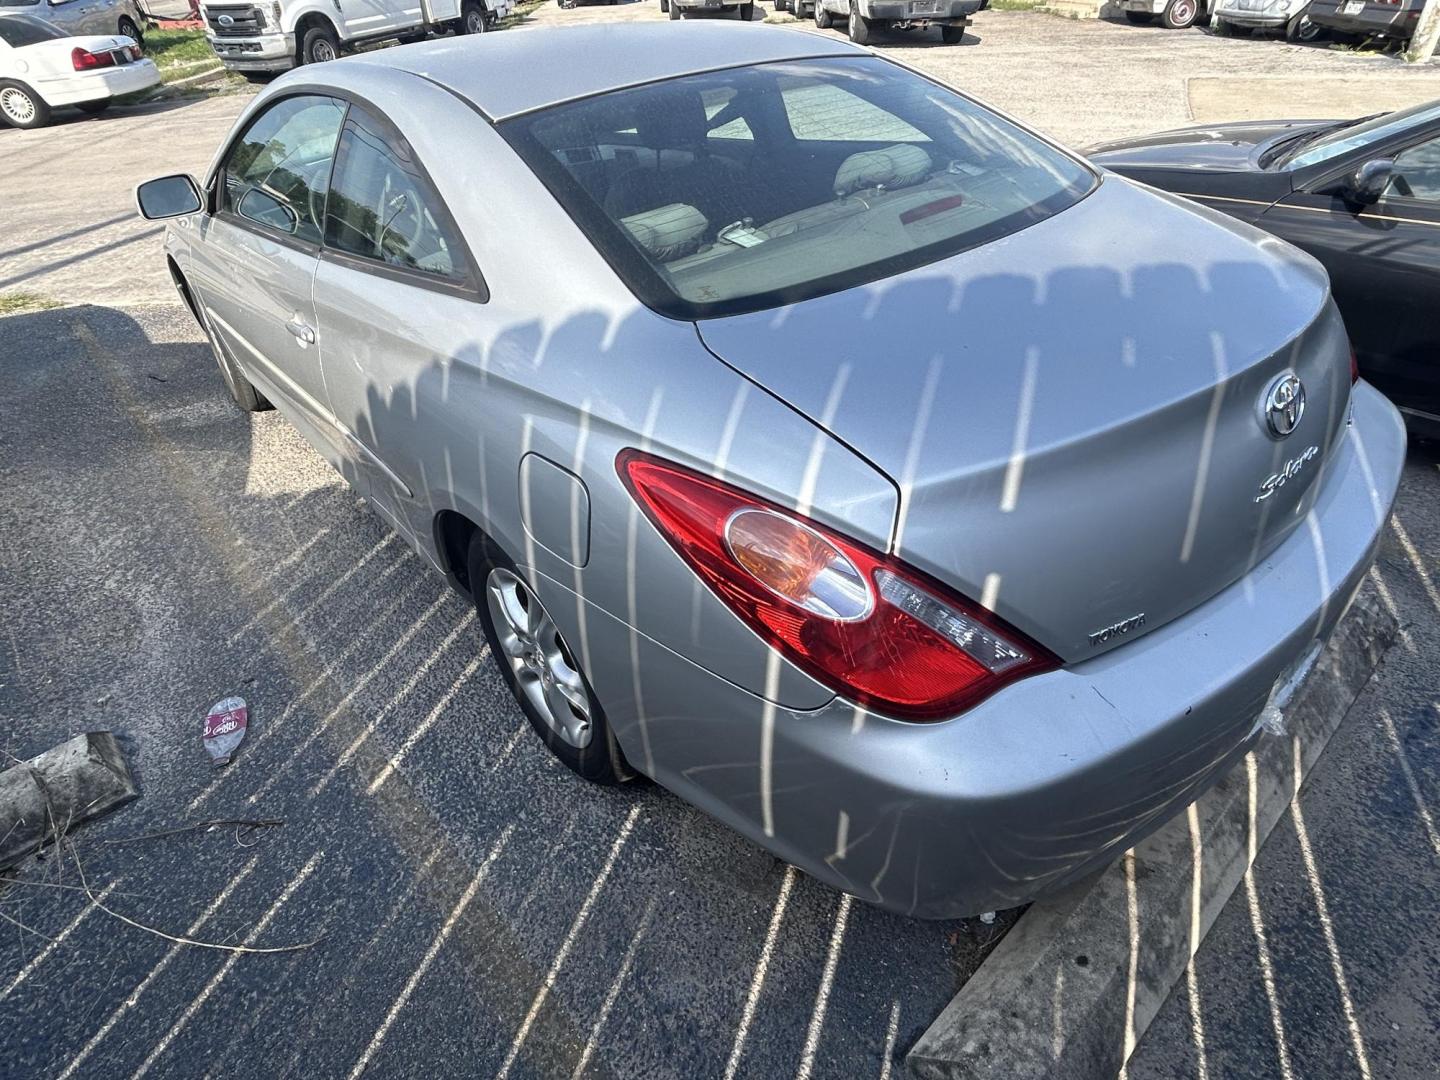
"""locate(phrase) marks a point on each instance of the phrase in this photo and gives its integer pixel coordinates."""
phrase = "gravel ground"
(479, 911)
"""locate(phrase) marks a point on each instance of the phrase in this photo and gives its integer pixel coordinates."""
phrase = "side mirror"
(264, 209)
(168, 196)
(1367, 183)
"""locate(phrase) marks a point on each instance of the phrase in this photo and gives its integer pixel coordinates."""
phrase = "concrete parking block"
(1071, 989)
(42, 798)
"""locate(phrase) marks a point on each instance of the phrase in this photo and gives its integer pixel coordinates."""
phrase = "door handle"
(303, 333)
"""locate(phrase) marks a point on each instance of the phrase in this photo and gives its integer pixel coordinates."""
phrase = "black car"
(1362, 196)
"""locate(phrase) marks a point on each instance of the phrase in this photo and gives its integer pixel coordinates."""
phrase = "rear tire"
(1301, 30)
(747, 11)
(540, 669)
(22, 107)
(1180, 14)
(860, 29)
(319, 45)
(952, 35)
(674, 11)
(1139, 18)
(472, 19)
(823, 19)
(664, 7)
(94, 108)
(130, 30)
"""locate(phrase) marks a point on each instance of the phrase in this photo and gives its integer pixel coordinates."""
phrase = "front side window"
(383, 209)
(17, 31)
(1417, 172)
(884, 171)
(277, 173)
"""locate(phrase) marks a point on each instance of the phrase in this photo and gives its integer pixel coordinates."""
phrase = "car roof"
(519, 71)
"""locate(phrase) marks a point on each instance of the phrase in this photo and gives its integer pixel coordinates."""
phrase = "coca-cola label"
(225, 728)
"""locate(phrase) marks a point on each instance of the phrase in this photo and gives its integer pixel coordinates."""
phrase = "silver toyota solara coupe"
(934, 509)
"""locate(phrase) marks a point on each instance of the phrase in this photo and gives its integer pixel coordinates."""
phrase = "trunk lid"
(1073, 413)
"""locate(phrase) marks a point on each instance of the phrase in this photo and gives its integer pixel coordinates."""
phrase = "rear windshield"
(21, 30)
(751, 187)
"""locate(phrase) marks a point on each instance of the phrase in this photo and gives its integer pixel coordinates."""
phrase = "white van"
(276, 35)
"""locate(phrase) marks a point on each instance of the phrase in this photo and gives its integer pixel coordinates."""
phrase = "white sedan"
(42, 69)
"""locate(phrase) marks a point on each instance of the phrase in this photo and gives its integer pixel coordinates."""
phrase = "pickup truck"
(863, 19)
(258, 39)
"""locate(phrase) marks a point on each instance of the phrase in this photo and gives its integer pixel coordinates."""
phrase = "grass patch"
(16, 302)
(180, 53)
(520, 13)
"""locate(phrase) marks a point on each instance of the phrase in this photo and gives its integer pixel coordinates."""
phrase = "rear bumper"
(1040, 783)
(1372, 21)
(100, 84)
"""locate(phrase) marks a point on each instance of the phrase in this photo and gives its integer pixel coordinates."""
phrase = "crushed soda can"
(225, 729)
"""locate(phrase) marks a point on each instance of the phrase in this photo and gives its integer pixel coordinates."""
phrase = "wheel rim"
(474, 22)
(1308, 30)
(1183, 12)
(17, 105)
(531, 645)
(322, 51)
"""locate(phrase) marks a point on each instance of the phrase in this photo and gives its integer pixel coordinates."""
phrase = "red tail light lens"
(867, 626)
(1354, 367)
(84, 60)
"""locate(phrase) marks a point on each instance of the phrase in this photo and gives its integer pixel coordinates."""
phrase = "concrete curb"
(47, 795)
(1071, 989)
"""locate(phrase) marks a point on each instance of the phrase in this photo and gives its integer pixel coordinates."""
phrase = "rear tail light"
(866, 625)
(84, 60)
(1354, 367)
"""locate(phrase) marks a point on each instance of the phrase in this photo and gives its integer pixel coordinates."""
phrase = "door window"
(1417, 172)
(277, 173)
(382, 207)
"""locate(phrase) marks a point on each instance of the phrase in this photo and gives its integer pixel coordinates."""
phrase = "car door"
(1384, 265)
(364, 18)
(79, 17)
(258, 250)
(395, 288)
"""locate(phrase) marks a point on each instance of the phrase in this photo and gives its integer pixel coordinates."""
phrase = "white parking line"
(892, 1030)
(1327, 928)
(613, 994)
(567, 944)
(426, 724)
(827, 983)
(399, 697)
(431, 953)
(757, 981)
(155, 972)
(55, 942)
(225, 968)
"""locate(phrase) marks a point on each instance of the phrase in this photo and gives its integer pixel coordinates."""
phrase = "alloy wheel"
(538, 658)
(17, 105)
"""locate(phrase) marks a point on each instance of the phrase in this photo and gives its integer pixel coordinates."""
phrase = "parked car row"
(1298, 20)
(943, 518)
(258, 39)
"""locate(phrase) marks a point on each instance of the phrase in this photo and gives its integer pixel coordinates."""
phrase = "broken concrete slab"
(41, 799)
(1071, 989)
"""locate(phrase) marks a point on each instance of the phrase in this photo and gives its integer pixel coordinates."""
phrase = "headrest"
(671, 120)
(893, 167)
(667, 232)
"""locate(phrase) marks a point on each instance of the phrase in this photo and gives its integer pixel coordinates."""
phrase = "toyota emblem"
(1284, 404)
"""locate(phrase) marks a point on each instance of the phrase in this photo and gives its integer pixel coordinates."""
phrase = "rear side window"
(383, 209)
(276, 174)
(18, 31)
(883, 171)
